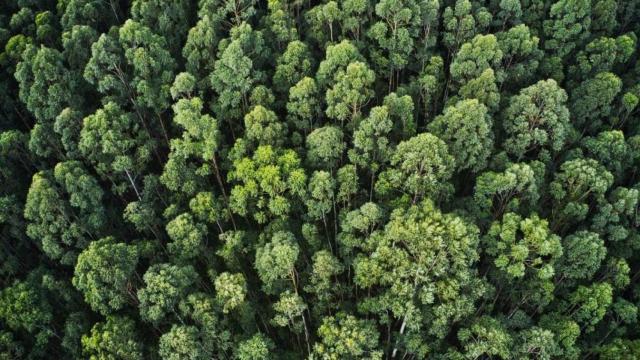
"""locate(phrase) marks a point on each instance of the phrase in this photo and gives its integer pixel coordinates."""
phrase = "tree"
(420, 271)
(233, 13)
(401, 110)
(45, 87)
(281, 23)
(523, 247)
(466, 128)
(64, 211)
(460, 24)
(474, 57)
(515, 189)
(187, 237)
(165, 18)
(104, 274)
(288, 309)
(165, 286)
(574, 185)
(601, 55)
(371, 145)
(345, 335)
(321, 197)
(430, 85)
(325, 147)
(394, 32)
(619, 348)
(303, 107)
(326, 267)
(420, 166)
(568, 25)
(153, 66)
(350, 92)
(182, 342)
(236, 71)
(76, 43)
(257, 347)
(231, 290)
(114, 339)
(131, 65)
(610, 149)
(587, 305)
(337, 59)
(24, 306)
(591, 101)
(484, 89)
(116, 145)
(93, 13)
(294, 65)
(68, 125)
(44, 82)
(193, 155)
(263, 127)
(268, 184)
(486, 337)
(202, 311)
(537, 121)
(199, 50)
(275, 261)
(615, 219)
(521, 54)
(583, 252)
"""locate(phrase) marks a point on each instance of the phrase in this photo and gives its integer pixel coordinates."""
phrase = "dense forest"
(319, 179)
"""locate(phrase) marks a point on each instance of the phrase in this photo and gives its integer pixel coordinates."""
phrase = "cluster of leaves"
(329, 179)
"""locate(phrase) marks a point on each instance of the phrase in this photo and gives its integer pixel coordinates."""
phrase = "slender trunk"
(373, 178)
(164, 130)
(224, 192)
(133, 184)
(306, 334)
(406, 316)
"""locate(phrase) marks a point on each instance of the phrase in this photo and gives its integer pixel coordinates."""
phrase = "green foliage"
(104, 274)
(426, 285)
(113, 339)
(266, 183)
(231, 290)
(187, 237)
(275, 261)
(523, 247)
(258, 347)
(574, 185)
(344, 336)
(165, 286)
(64, 211)
(165, 18)
(591, 100)
(537, 121)
(351, 91)
(325, 147)
(339, 179)
(116, 145)
(420, 166)
(513, 190)
(181, 342)
(582, 254)
(466, 128)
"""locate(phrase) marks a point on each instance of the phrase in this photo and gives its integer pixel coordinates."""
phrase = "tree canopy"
(320, 180)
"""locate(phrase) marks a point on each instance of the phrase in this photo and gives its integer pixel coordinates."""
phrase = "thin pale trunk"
(133, 184)
(405, 318)
(306, 334)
